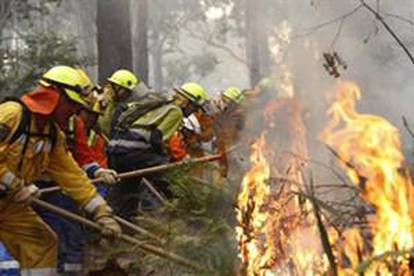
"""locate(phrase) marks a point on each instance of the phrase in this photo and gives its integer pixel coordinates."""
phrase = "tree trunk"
(140, 38)
(114, 37)
(257, 49)
(85, 14)
(157, 62)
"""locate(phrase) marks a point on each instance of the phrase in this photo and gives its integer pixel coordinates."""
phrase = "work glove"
(109, 176)
(104, 217)
(25, 194)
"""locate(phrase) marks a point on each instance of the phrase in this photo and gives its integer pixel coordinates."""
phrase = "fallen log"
(128, 239)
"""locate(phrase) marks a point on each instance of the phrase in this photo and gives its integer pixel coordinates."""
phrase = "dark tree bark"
(140, 31)
(114, 37)
(157, 58)
(257, 49)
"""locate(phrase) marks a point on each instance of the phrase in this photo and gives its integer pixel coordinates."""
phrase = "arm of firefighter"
(100, 154)
(10, 116)
(70, 177)
(176, 147)
(171, 123)
(105, 120)
(83, 153)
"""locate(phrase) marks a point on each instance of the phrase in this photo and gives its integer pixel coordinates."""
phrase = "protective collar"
(43, 101)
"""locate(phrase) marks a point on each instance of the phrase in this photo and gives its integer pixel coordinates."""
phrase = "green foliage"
(27, 50)
(197, 223)
(25, 10)
(167, 30)
(180, 70)
(20, 68)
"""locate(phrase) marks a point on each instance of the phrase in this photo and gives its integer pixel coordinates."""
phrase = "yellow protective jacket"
(40, 157)
(167, 119)
(105, 120)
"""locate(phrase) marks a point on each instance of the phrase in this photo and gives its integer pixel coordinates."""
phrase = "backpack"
(128, 113)
(24, 128)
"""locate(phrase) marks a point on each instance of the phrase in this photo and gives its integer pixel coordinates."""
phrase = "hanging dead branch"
(381, 19)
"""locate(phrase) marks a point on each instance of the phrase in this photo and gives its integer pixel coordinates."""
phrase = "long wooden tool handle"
(165, 167)
(145, 247)
(138, 229)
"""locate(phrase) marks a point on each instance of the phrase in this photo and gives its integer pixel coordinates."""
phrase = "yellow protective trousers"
(28, 239)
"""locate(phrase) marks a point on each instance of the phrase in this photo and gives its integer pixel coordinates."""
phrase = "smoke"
(375, 61)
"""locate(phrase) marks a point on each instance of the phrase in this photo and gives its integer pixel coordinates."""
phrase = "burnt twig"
(323, 233)
(407, 127)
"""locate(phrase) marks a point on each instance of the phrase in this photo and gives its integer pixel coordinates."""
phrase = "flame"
(276, 233)
(251, 232)
(370, 149)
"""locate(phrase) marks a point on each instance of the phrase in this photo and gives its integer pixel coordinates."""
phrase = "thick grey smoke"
(375, 61)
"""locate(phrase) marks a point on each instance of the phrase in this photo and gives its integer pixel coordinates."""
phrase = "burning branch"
(323, 233)
(362, 179)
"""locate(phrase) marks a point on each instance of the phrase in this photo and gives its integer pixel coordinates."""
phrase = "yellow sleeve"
(10, 116)
(105, 120)
(71, 178)
(171, 123)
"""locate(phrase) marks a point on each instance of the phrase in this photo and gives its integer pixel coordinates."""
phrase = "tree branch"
(399, 17)
(209, 40)
(338, 32)
(389, 29)
(342, 18)
(407, 127)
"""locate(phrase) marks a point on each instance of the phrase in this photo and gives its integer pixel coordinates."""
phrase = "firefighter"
(32, 142)
(96, 141)
(229, 121)
(142, 143)
(117, 89)
(88, 140)
(87, 148)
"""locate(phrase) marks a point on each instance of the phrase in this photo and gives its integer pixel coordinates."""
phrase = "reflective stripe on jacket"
(166, 119)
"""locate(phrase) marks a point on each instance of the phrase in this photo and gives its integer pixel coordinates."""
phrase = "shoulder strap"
(24, 127)
(24, 121)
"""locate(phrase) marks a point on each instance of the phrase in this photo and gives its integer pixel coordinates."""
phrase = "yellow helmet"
(70, 80)
(125, 79)
(234, 94)
(194, 92)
